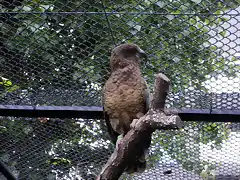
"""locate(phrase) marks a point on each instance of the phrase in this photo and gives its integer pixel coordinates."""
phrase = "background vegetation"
(56, 52)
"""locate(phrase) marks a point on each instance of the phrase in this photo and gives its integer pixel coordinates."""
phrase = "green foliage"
(50, 50)
(70, 49)
(185, 145)
(7, 86)
(53, 147)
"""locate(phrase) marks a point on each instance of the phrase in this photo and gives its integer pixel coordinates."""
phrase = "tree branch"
(141, 131)
(161, 89)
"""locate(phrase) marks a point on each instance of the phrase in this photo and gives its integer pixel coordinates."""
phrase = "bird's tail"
(137, 166)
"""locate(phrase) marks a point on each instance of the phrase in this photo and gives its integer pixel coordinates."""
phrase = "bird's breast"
(125, 97)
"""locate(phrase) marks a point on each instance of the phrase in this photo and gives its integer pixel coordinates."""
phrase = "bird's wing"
(147, 96)
(113, 134)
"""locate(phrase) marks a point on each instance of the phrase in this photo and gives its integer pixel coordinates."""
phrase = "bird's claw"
(134, 123)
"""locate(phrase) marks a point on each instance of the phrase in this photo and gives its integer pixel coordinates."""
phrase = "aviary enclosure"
(55, 59)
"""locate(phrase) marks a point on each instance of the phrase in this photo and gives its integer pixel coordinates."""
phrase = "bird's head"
(125, 54)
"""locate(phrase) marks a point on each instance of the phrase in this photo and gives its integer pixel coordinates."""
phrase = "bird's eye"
(131, 50)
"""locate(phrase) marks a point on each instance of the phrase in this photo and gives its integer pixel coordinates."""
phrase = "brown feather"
(124, 94)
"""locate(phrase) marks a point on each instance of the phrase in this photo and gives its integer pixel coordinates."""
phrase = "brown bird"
(126, 96)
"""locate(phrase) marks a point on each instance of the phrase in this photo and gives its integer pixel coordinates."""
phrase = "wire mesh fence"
(41, 148)
(57, 53)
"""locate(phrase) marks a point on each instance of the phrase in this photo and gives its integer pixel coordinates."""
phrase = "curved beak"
(142, 54)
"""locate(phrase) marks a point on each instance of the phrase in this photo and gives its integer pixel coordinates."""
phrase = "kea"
(126, 97)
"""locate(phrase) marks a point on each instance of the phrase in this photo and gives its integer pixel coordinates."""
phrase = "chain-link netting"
(50, 149)
(57, 52)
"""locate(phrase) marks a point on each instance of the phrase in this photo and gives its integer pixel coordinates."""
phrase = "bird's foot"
(139, 115)
(134, 123)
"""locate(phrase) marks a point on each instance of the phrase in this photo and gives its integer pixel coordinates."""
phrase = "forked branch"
(141, 131)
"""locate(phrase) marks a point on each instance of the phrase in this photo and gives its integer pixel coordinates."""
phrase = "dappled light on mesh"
(67, 148)
(56, 53)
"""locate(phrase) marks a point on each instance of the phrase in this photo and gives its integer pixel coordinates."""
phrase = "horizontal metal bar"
(94, 112)
(117, 12)
(88, 112)
(214, 115)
